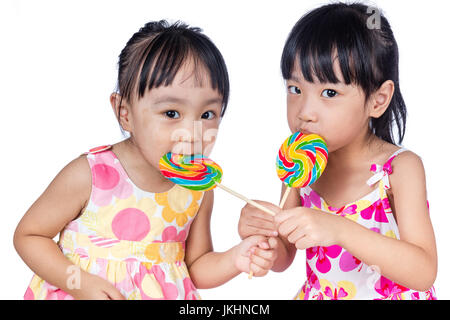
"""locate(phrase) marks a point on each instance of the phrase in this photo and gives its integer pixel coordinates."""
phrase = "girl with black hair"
(126, 231)
(365, 223)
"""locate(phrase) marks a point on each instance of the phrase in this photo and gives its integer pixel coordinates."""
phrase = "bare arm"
(209, 269)
(60, 203)
(412, 260)
(199, 251)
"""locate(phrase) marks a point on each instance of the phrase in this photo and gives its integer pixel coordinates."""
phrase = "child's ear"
(121, 111)
(381, 99)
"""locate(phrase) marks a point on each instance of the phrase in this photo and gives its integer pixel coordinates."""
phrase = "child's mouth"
(304, 131)
(184, 149)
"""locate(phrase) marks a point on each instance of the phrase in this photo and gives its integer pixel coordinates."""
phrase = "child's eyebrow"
(296, 79)
(213, 101)
(173, 99)
(169, 99)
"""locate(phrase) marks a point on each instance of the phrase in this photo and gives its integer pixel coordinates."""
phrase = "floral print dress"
(332, 272)
(132, 238)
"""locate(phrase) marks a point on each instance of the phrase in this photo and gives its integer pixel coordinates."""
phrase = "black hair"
(153, 56)
(367, 55)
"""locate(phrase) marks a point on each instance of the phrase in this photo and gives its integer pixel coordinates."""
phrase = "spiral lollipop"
(191, 171)
(301, 160)
(196, 172)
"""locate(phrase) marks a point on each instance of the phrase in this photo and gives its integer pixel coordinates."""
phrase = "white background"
(58, 68)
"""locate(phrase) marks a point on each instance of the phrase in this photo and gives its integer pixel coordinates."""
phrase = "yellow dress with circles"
(132, 238)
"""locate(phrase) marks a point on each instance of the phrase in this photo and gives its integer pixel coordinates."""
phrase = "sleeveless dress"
(133, 238)
(332, 272)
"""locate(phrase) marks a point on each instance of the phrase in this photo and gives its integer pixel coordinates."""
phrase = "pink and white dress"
(334, 273)
(133, 238)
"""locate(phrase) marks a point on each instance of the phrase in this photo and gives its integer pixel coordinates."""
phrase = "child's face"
(336, 112)
(180, 118)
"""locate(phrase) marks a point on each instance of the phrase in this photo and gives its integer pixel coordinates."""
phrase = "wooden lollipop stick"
(240, 196)
(285, 196)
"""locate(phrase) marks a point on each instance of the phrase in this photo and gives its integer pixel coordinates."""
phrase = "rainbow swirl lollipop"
(301, 159)
(191, 171)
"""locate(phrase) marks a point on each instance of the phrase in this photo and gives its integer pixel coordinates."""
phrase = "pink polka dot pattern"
(130, 224)
(106, 177)
(125, 237)
(109, 179)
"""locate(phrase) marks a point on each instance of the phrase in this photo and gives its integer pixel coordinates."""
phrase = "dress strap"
(383, 171)
(98, 149)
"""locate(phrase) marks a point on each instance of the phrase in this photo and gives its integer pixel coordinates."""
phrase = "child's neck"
(359, 150)
(143, 174)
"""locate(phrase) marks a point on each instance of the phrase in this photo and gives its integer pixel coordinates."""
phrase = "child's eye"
(329, 93)
(208, 115)
(172, 114)
(294, 90)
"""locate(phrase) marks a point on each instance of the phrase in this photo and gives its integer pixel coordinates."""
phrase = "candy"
(301, 159)
(193, 172)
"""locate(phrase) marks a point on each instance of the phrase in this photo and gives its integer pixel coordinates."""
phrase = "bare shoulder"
(408, 173)
(72, 184)
(76, 175)
(62, 201)
(407, 163)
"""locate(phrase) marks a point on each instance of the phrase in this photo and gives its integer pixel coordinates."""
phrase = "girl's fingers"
(257, 271)
(304, 243)
(260, 231)
(260, 262)
(285, 215)
(273, 242)
(286, 228)
(296, 235)
(249, 210)
(262, 224)
(264, 254)
(261, 215)
(264, 244)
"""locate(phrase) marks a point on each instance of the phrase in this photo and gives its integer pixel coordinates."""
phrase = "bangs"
(322, 36)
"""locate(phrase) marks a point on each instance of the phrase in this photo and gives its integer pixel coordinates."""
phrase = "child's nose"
(187, 138)
(188, 131)
(306, 111)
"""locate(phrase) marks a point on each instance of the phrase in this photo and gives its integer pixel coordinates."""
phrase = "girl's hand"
(306, 228)
(256, 222)
(263, 256)
(257, 254)
(93, 287)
